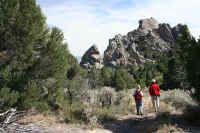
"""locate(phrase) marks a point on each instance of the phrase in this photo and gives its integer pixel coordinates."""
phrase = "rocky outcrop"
(165, 32)
(177, 30)
(149, 41)
(92, 58)
(148, 24)
(116, 52)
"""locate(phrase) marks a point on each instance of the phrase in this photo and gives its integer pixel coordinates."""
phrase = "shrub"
(191, 114)
(107, 74)
(95, 79)
(31, 96)
(124, 102)
(75, 114)
(177, 98)
(106, 115)
(106, 97)
(123, 80)
(8, 98)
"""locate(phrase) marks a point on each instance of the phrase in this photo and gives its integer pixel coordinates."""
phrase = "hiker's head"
(138, 87)
(153, 81)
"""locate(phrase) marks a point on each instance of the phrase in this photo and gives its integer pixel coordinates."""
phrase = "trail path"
(148, 123)
(125, 124)
(133, 124)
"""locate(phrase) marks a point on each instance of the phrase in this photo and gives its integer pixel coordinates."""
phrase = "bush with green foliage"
(107, 74)
(8, 98)
(149, 71)
(94, 78)
(123, 80)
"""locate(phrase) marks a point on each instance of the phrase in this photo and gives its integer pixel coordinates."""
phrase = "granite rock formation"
(149, 41)
(92, 58)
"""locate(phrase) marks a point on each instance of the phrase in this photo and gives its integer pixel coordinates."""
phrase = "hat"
(138, 87)
(153, 81)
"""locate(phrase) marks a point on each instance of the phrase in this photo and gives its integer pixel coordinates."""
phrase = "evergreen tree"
(193, 66)
(22, 29)
(34, 60)
(119, 82)
(53, 64)
(107, 76)
(176, 76)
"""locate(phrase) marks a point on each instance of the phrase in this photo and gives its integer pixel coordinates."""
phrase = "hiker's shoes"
(140, 114)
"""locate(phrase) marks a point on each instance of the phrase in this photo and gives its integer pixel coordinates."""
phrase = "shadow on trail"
(147, 124)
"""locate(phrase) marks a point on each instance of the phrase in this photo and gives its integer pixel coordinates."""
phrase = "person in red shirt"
(154, 91)
(138, 100)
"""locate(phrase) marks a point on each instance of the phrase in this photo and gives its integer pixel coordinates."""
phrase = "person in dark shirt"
(138, 100)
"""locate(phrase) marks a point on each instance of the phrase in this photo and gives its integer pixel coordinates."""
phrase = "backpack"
(137, 95)
(154, 90)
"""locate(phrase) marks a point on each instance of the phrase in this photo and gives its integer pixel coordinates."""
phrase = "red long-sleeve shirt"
(154, 90)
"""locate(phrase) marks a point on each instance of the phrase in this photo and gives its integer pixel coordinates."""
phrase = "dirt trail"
(162, 122)
(134, 124)
(125, 124)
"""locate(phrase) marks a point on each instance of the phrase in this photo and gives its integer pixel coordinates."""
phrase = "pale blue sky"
(88, 22)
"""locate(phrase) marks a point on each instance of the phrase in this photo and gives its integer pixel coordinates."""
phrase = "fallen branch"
(9, 123)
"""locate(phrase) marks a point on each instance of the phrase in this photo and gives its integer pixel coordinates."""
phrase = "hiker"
(154, 91)
(138, 100)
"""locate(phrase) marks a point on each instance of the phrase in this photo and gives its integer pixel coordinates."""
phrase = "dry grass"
(168, 128)
(46, 120)
(177, 98)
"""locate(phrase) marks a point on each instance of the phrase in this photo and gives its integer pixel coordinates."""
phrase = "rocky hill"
(92, 58)
(149, 41)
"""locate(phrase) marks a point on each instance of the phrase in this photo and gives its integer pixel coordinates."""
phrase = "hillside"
(174, 116)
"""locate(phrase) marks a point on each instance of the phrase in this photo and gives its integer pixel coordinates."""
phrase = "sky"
(88, 22)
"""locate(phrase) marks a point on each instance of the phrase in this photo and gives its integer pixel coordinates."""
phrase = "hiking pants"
(139, 107)
(155, 102)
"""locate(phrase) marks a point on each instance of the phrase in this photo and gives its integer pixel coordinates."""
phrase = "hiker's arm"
(150, 90)
(158, 88)
(141, 94)
(134, 92)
